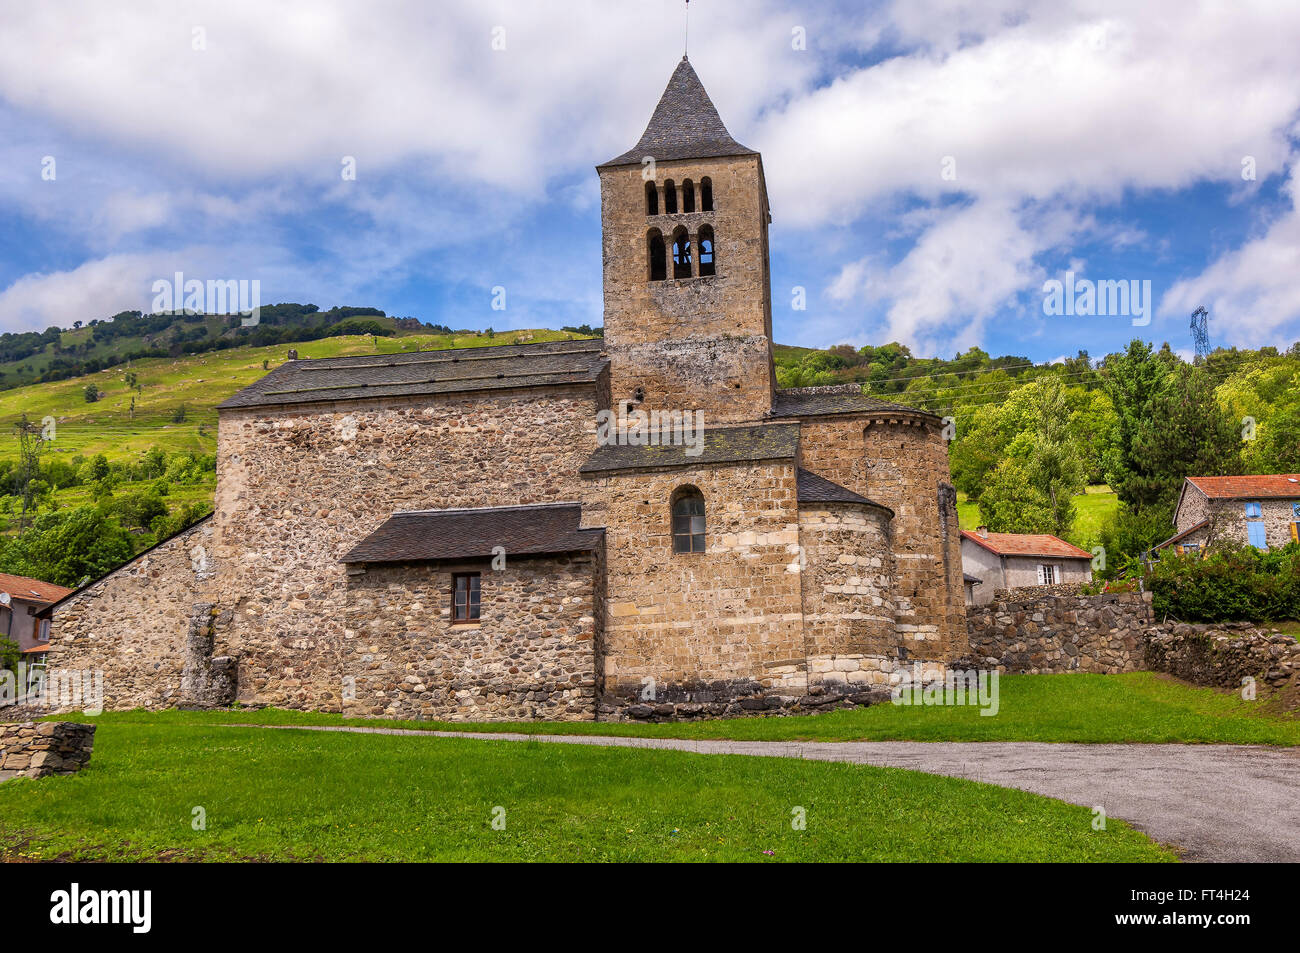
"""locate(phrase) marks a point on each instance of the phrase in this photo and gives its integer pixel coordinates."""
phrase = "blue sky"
(930, 165)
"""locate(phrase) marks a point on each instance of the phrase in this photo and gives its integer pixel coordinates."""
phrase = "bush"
(1229, 583)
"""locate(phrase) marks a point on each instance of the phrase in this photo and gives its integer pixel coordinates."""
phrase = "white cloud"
(1053, 112)
(1063, 108)
(1251, 292)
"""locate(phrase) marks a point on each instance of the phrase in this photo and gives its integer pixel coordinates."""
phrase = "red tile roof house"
(18, 622)
(1260, 510)
(1016, 560)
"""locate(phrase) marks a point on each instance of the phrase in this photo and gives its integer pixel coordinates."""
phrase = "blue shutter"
(1256, 534)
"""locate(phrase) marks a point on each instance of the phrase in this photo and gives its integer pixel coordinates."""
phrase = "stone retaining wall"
(1222, 656)
(1060, 633)
(37, 749)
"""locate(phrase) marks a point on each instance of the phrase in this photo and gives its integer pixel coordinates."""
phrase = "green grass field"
(1139, 707)
(1093, 508)
(301, 795)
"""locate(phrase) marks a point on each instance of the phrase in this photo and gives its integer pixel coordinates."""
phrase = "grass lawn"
(287, 795)
(1138, 707)
(1092, 509)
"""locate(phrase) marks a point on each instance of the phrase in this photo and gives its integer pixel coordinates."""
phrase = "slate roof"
(685, 125)
(1274, 486)
(813, 402)
(721, 445)
(817, 489)
(1027, 544)
(426, 372)
(32, 590)
(432, 535)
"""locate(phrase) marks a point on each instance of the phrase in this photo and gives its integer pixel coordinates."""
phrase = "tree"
(1188, 433)
(66, 546)
(91, 393)
(1133, 380)
(1011, 503)
(30, 444)
(1056, 468)
(141, 508)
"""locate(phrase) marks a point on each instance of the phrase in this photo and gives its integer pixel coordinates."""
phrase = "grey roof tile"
(433, 535)
(425, 372)
(817, 489)
(821, 401)
(721, 445)
(685, 125)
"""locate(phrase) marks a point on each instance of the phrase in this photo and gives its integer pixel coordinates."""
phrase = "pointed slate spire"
(685, 125)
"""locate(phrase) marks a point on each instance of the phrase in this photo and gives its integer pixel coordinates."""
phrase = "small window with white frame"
(1048, 575)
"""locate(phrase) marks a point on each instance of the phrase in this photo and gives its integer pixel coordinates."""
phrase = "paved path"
(1214, 802)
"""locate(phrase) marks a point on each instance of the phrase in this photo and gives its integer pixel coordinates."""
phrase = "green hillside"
(195, 383)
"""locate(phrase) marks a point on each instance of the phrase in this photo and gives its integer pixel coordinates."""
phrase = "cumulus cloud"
(1251, 292)
(228, 120)
(1065, 108)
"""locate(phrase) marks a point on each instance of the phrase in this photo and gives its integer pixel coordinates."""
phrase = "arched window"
(688, 520)
(704, 242)
(651, 199)
(670, 197)
(706, 194)
(658, 255)
(688, 196)
(681, 253)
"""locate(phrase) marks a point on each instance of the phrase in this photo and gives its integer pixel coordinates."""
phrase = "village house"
(1262, 511)
(993, 561)
(22, 599)
(459, 535)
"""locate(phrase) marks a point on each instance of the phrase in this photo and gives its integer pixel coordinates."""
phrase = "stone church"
(452, 534)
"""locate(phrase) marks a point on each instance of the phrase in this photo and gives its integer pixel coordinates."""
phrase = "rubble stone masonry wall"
(298, 487)
(134, 625)
(530, 655)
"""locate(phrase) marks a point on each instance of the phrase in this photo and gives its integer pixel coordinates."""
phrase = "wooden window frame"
(470, 606)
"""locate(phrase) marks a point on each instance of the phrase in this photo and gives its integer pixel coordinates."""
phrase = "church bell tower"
(688, 305)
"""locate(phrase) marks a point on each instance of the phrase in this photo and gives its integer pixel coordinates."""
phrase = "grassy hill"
(195, 383)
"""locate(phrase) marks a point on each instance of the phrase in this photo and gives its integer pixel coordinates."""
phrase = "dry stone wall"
(1060, 633)
(1222, 656)
(39, 749)
(530, 655)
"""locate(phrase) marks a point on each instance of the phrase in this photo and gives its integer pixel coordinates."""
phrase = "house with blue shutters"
(1261, 510)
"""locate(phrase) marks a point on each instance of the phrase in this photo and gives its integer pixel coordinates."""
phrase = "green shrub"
(1229, 583)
